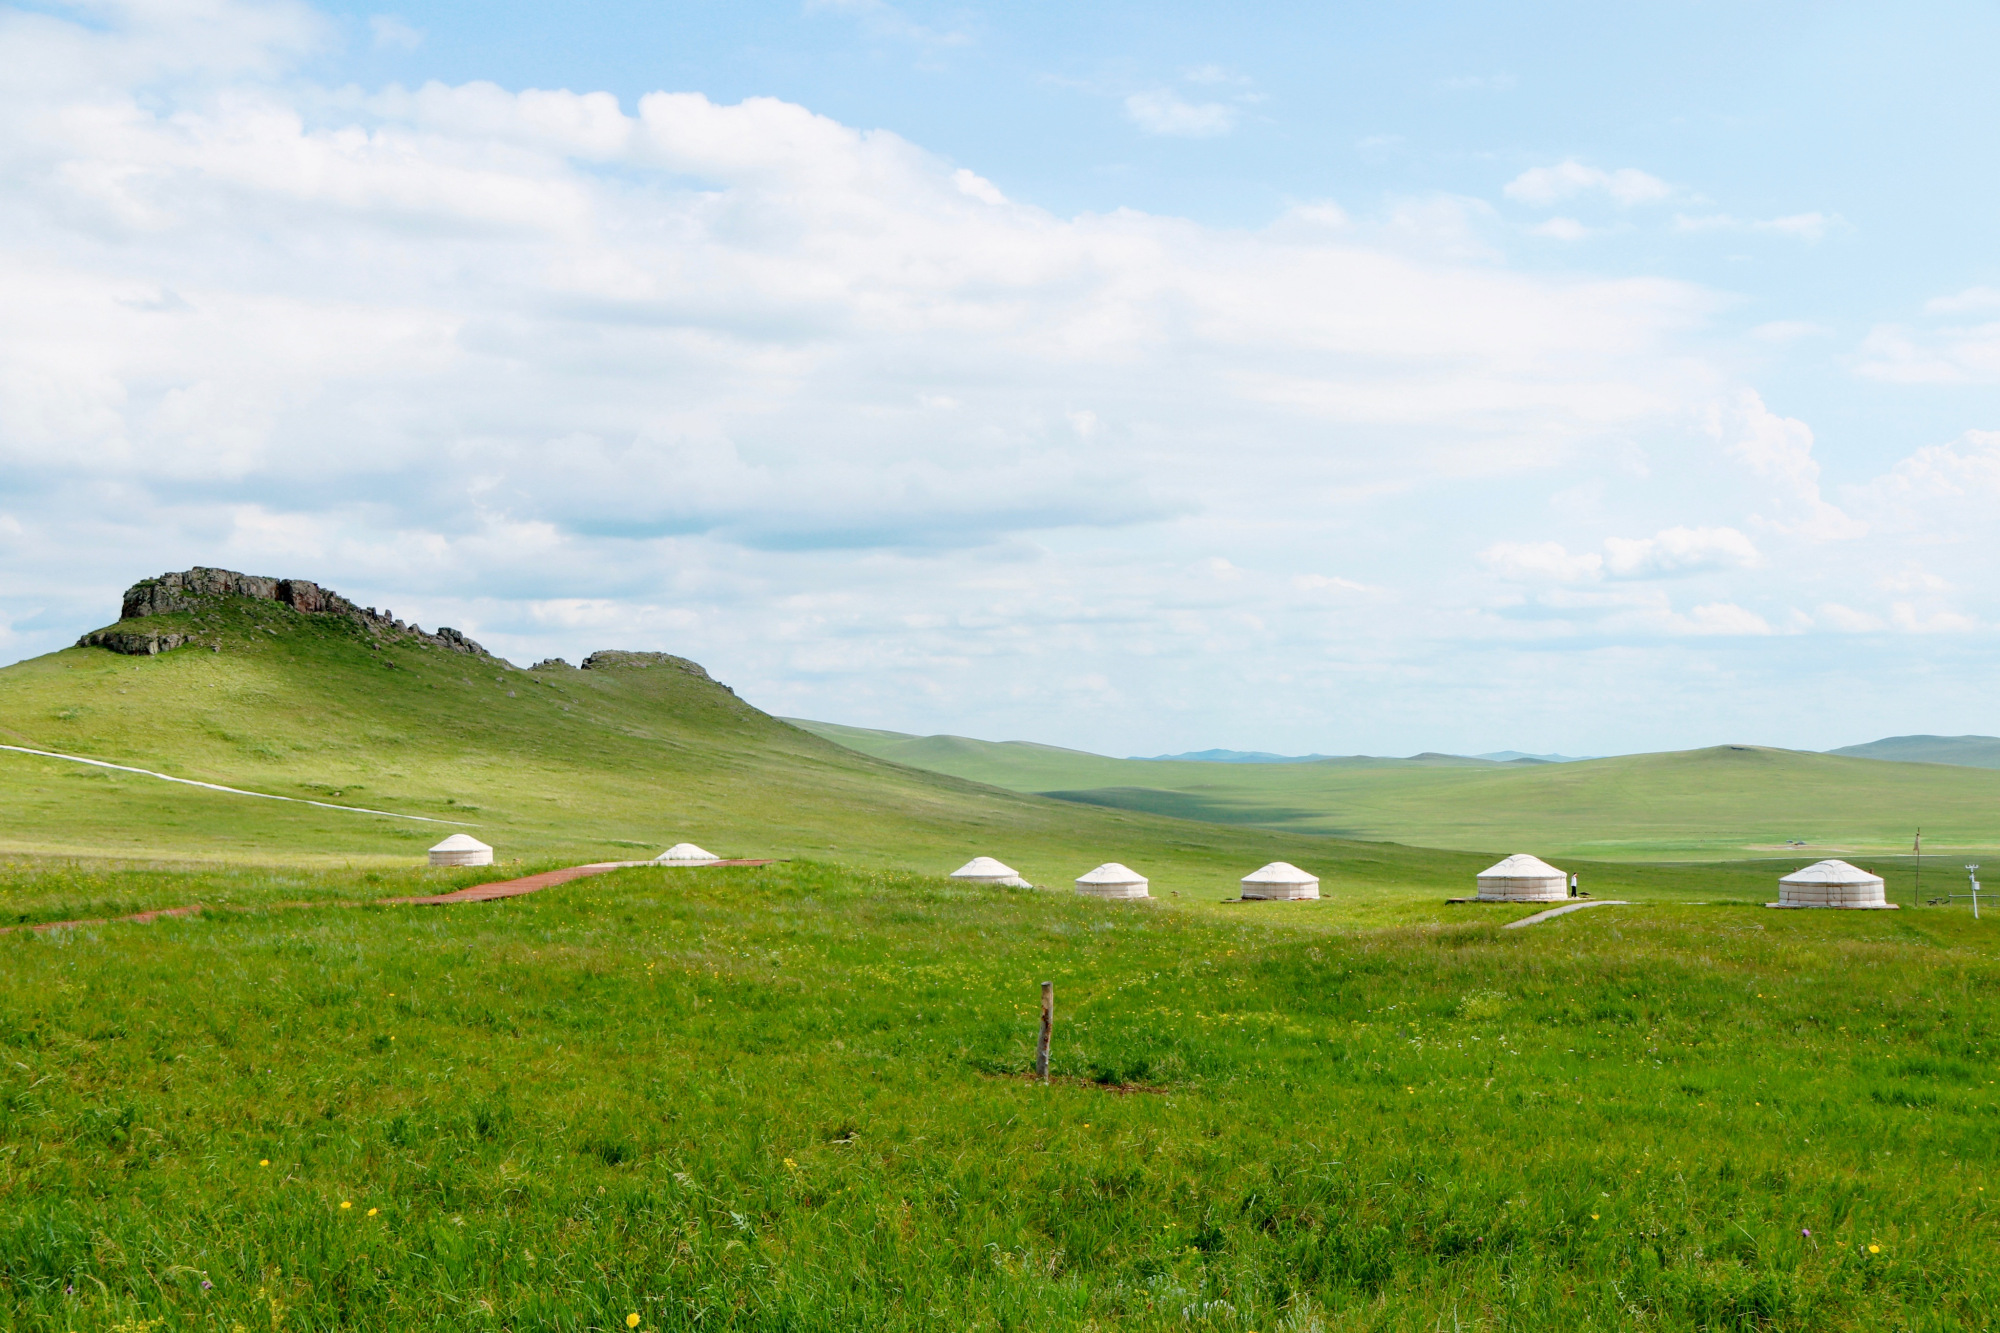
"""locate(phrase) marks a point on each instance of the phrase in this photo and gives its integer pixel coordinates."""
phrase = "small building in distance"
(685, 854)
(461, 849)
(986, 870)
(1832, 884)
(1523, 879)
(1112, 880)
(1280, 880)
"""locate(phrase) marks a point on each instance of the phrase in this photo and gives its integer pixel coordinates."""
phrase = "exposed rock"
(551, 664)
(188, 590)
(614, 659)
(133, 642)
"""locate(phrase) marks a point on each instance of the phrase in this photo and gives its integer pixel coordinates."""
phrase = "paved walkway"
(478, 893)
(1564, 910)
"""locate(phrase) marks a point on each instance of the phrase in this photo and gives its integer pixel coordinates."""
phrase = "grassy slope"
(1970, 751)
(790, 1100)
(549, 766)
(1718, 802)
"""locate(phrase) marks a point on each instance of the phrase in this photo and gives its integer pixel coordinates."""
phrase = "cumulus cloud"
(1799, 226)
(837, 414)
(1670, 553)
(1165, 112)
(1544, 187)
(1780, 450)
(393, 34)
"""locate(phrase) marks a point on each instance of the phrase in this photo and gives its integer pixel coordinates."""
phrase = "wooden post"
(1048, 1025)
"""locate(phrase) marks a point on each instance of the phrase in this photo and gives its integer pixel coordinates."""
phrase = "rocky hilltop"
(192, 591)
(188, 591)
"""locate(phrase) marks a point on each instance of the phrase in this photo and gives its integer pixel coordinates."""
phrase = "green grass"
(545, 766)
(794, 1099)
(1717, 803)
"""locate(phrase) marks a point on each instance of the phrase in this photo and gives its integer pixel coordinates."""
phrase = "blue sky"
(1140, 378)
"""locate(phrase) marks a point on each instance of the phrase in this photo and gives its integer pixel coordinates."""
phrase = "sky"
(1560, 378)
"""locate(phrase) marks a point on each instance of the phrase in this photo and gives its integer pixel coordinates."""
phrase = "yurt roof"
(1280, 872)
(686, 851)
(1831, 872)
(461, 842)
(1111, 873)
(1521, 866)
(981, 866)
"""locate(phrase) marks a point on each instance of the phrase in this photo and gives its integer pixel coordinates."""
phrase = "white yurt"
(1112, 880)
(685, 854)
(461, 849)
(986, 870)
(1831, 884)
(1522, 879)
(1280, 880)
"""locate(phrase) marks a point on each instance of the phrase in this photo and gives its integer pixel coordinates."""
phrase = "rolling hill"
(1723, 801)
(1965, 751)
(612, 761)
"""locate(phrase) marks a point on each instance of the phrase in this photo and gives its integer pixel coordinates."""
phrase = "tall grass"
(797, 1098)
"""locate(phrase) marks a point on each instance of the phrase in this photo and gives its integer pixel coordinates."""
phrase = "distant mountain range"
(1429, 756)
(1965, 751)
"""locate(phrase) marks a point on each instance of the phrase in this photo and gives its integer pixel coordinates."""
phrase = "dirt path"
(478, 893)
(1555, 912)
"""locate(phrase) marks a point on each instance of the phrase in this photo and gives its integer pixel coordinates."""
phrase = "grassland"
(794, 1099)
(1723, 802)
(547, 766)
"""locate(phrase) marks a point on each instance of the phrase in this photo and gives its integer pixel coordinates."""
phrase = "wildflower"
(790, 1165)
(1874, 1249)
(632, 1320)
(373, 1211)
(206, 1285)
(1593, 1217)
(1806, 1232)
(263, 1161)
(347, 1203)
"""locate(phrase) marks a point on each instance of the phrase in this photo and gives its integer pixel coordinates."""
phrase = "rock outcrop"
(614, 659)
(190, 590)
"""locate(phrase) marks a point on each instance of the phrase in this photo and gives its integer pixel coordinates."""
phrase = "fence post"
(1048, 1025)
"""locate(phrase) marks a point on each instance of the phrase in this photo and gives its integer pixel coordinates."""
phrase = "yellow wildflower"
(373, 1211)
(632, 1320)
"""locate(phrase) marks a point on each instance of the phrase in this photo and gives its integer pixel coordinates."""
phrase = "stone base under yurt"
(1833, 884)
(1523, 879)
(1112, 880)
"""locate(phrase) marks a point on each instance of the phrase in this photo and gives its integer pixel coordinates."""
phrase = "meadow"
(798, 1098)
(1721, 802)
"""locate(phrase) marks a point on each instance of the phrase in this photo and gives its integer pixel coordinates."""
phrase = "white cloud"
(1541, 560)
(1972, 298)
(1782, 331)
(1670, 553)
(840, 417)
(1780, 450)
(1544, 187)
(1800, 226)
(393, 34)
(1561, 229)
(1963, 354)
(1675, 551)
(1165, 112)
